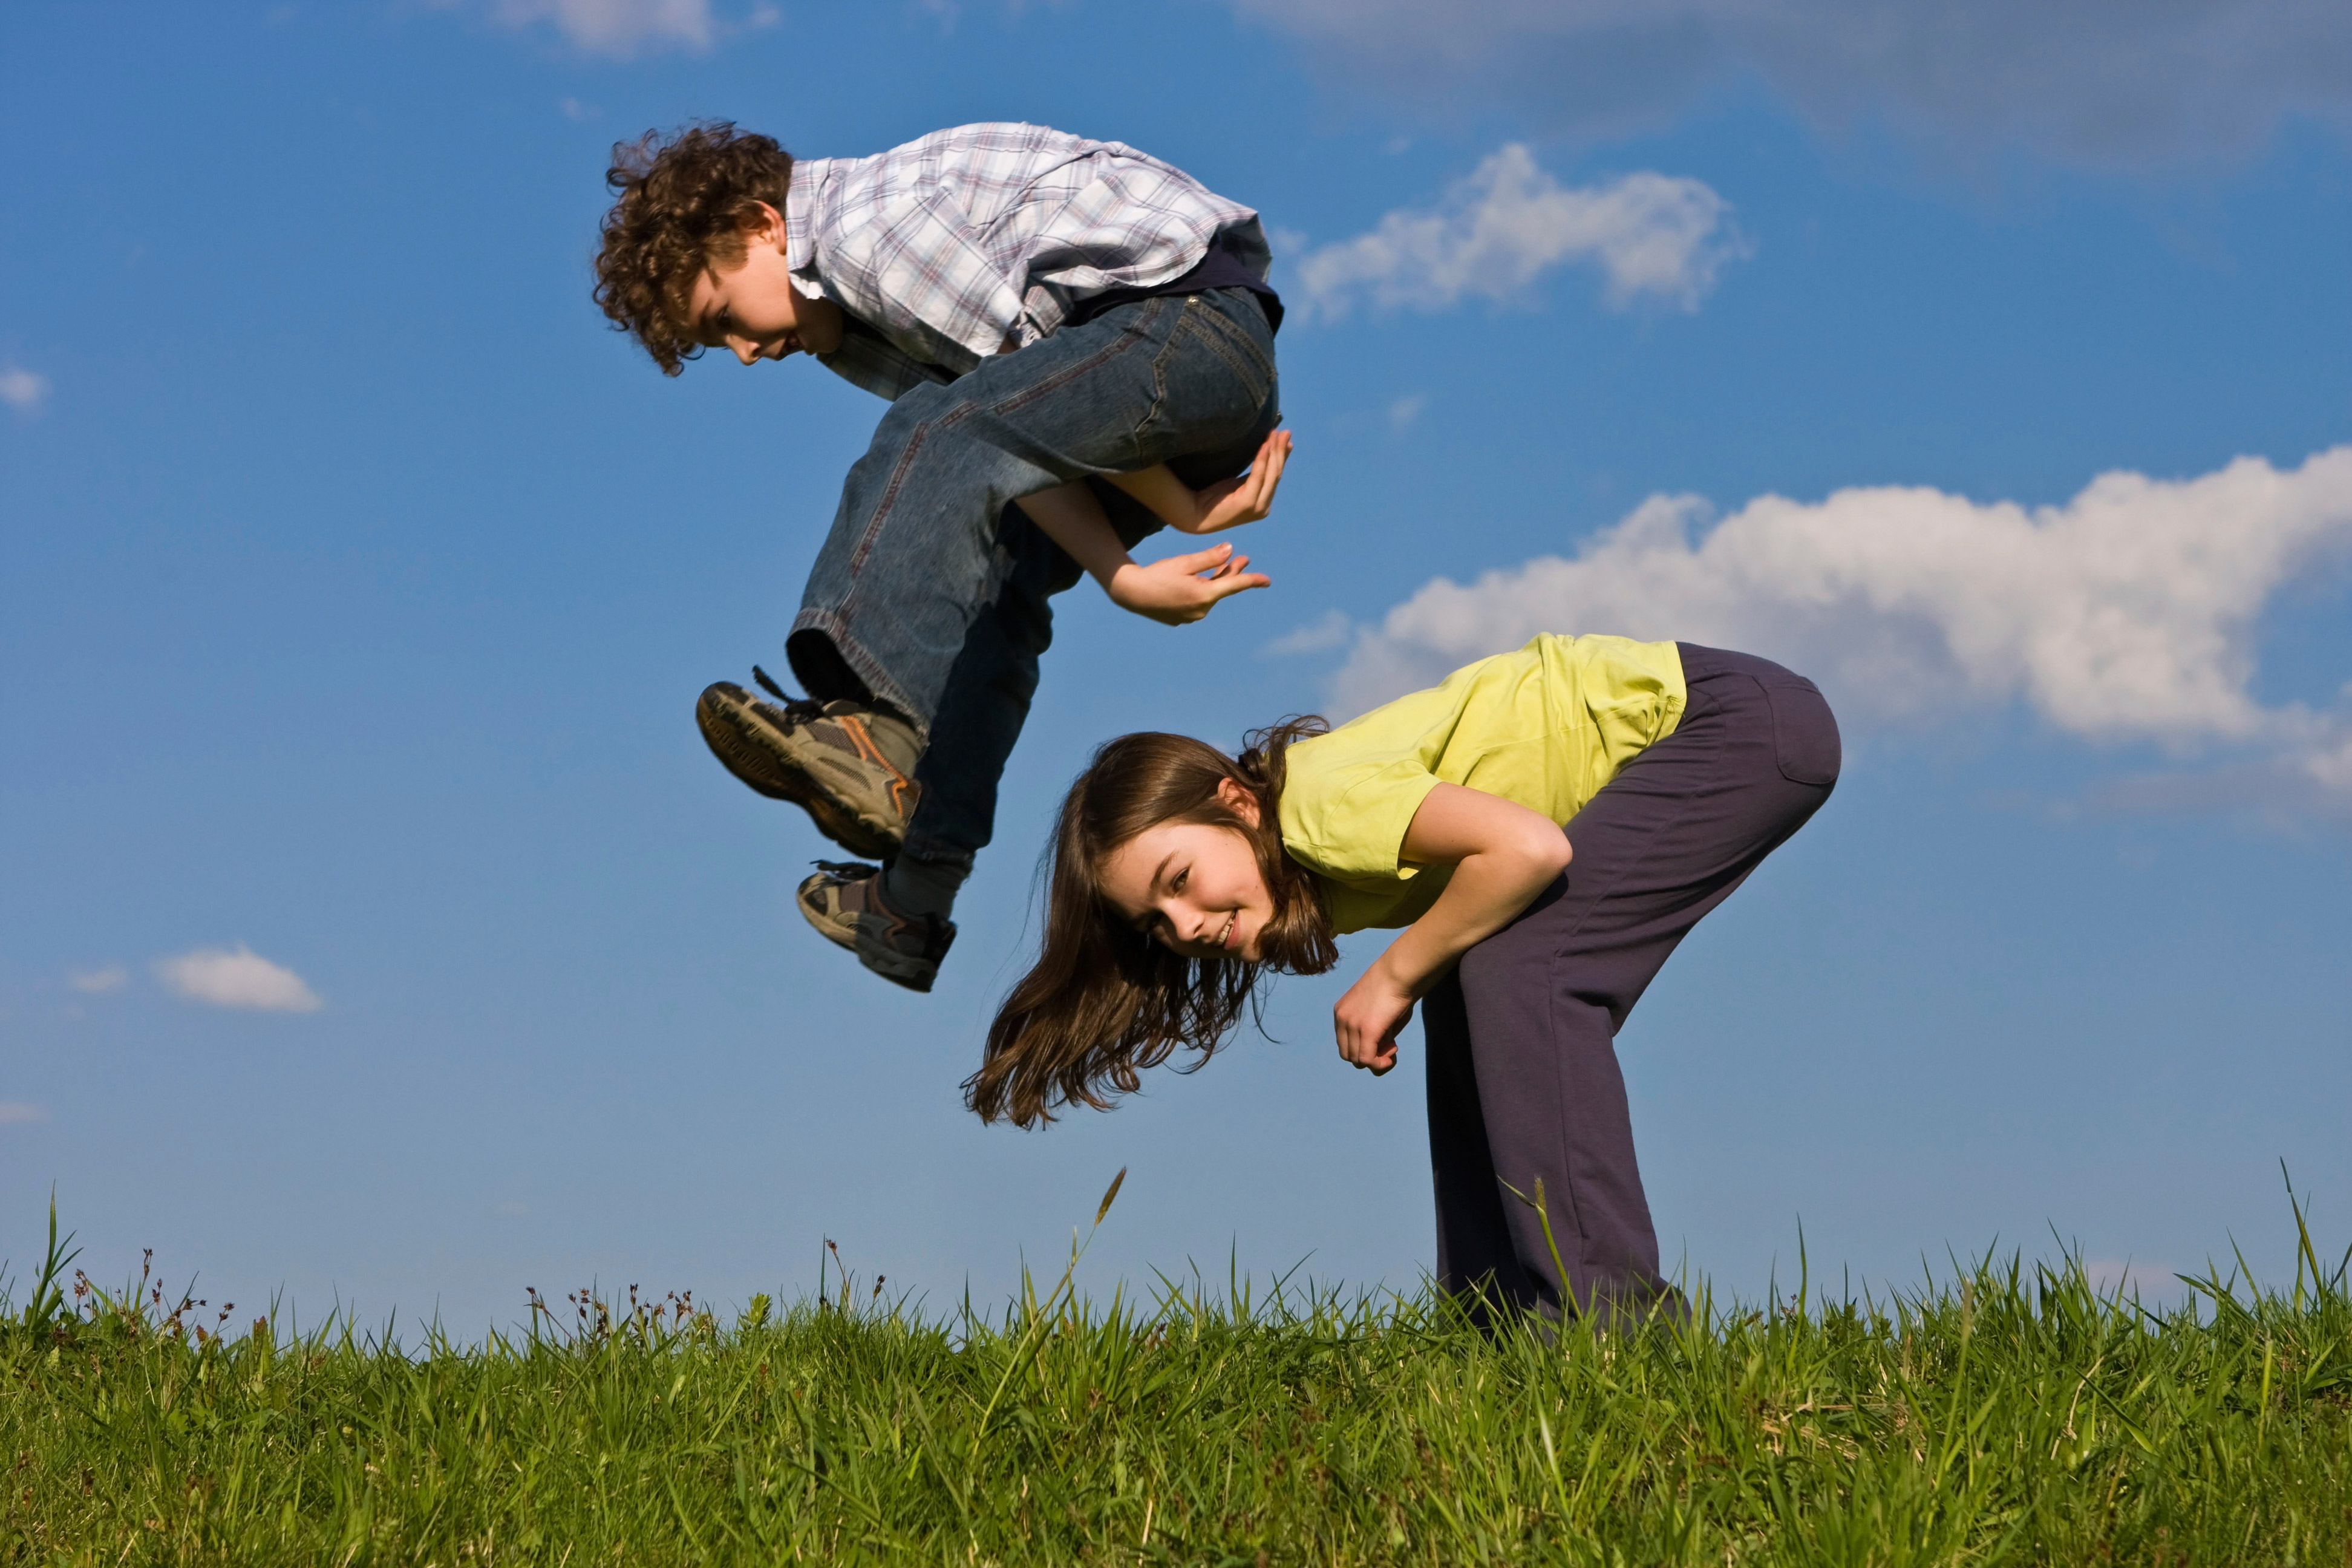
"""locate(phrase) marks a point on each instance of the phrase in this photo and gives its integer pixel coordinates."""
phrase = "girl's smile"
(1193, 887)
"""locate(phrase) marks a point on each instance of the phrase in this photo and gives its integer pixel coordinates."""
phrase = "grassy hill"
(2011, 1414)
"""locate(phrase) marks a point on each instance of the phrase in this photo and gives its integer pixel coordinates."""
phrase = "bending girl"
(1181, 877)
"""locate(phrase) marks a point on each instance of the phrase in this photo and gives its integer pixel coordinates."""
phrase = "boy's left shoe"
(844, 903)
(850, 767)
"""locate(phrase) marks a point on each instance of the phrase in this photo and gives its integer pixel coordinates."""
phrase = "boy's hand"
(1183, 588)
(1229, 503)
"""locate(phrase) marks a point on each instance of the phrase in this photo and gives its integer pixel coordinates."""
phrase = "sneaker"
(843, 901)
(851, 767)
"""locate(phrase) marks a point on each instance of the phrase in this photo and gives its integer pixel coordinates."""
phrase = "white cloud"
(1320, 635)
(1508, 222)
(2105, 83)
(23, 389)
(1405, 410)
(240, 979)
(617, 28)
(96, 982)
(2289, 788)
(16, 1113)
(2129, 613)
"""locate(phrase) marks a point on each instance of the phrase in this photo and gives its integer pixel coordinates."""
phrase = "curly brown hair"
(685, 201)
(1103, 1001)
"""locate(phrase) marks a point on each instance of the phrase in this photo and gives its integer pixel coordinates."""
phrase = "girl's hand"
(1183, 588)
(1503, 856)
(1369, 1018)
(1229, 503)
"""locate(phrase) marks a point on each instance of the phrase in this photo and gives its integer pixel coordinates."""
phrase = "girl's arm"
(1503, 855)
(1173, 592)
(1228, 503)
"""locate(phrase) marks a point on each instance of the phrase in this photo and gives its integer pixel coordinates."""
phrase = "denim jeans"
(929, 595)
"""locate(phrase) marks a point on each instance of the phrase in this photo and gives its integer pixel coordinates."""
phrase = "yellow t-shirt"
(1545, 726)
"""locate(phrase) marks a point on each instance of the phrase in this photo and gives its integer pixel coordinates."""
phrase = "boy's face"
(751, 307)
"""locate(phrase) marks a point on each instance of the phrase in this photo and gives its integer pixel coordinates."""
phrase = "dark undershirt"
(1220, 268)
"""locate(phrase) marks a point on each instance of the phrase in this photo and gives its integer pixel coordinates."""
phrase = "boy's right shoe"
(850, 767)
(844, 903)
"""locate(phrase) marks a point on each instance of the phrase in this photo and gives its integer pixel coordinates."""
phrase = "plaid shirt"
(951, 247)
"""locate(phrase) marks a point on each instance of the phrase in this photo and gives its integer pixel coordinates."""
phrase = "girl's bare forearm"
(1486, 892)
(1503, 855)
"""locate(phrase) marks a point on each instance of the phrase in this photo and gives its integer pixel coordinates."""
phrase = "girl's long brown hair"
(1103, 1001)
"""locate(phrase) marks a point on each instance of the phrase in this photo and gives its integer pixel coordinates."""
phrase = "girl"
(1181, 876)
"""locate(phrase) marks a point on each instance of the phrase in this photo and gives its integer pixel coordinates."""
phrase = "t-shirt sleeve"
(1345, 811)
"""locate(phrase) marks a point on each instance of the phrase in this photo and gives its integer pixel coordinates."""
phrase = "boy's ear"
(1241, 801)
(759, 224)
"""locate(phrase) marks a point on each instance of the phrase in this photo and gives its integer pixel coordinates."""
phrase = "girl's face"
(1192, 887)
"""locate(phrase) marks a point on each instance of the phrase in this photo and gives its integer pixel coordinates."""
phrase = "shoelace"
(798, 710)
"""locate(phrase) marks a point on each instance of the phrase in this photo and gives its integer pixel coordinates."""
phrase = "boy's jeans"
(929, 595)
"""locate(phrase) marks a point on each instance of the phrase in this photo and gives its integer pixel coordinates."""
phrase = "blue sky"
(359, 583)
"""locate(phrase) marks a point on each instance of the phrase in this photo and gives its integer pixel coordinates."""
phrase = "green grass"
(2010, 1415)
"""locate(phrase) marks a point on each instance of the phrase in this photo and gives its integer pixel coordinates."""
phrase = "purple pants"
(1523, 1079)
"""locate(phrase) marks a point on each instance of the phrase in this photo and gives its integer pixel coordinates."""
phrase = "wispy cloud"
(23, 389)
(98, 982)
(221, 978)
(1505, 223)
(2117, 83)
(1331, 630)
(2130, 613)
(620, 28)
(16, 1113)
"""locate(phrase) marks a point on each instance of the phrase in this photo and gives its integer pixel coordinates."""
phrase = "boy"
(1068, 325)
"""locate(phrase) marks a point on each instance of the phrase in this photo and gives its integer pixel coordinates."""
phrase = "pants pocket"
(1804, 733)
(1210, 383)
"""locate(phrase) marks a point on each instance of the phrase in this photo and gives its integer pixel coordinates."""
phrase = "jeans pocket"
(1805, 733)
(1210, 380)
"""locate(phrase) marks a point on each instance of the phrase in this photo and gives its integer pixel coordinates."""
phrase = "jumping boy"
(1077, 343)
